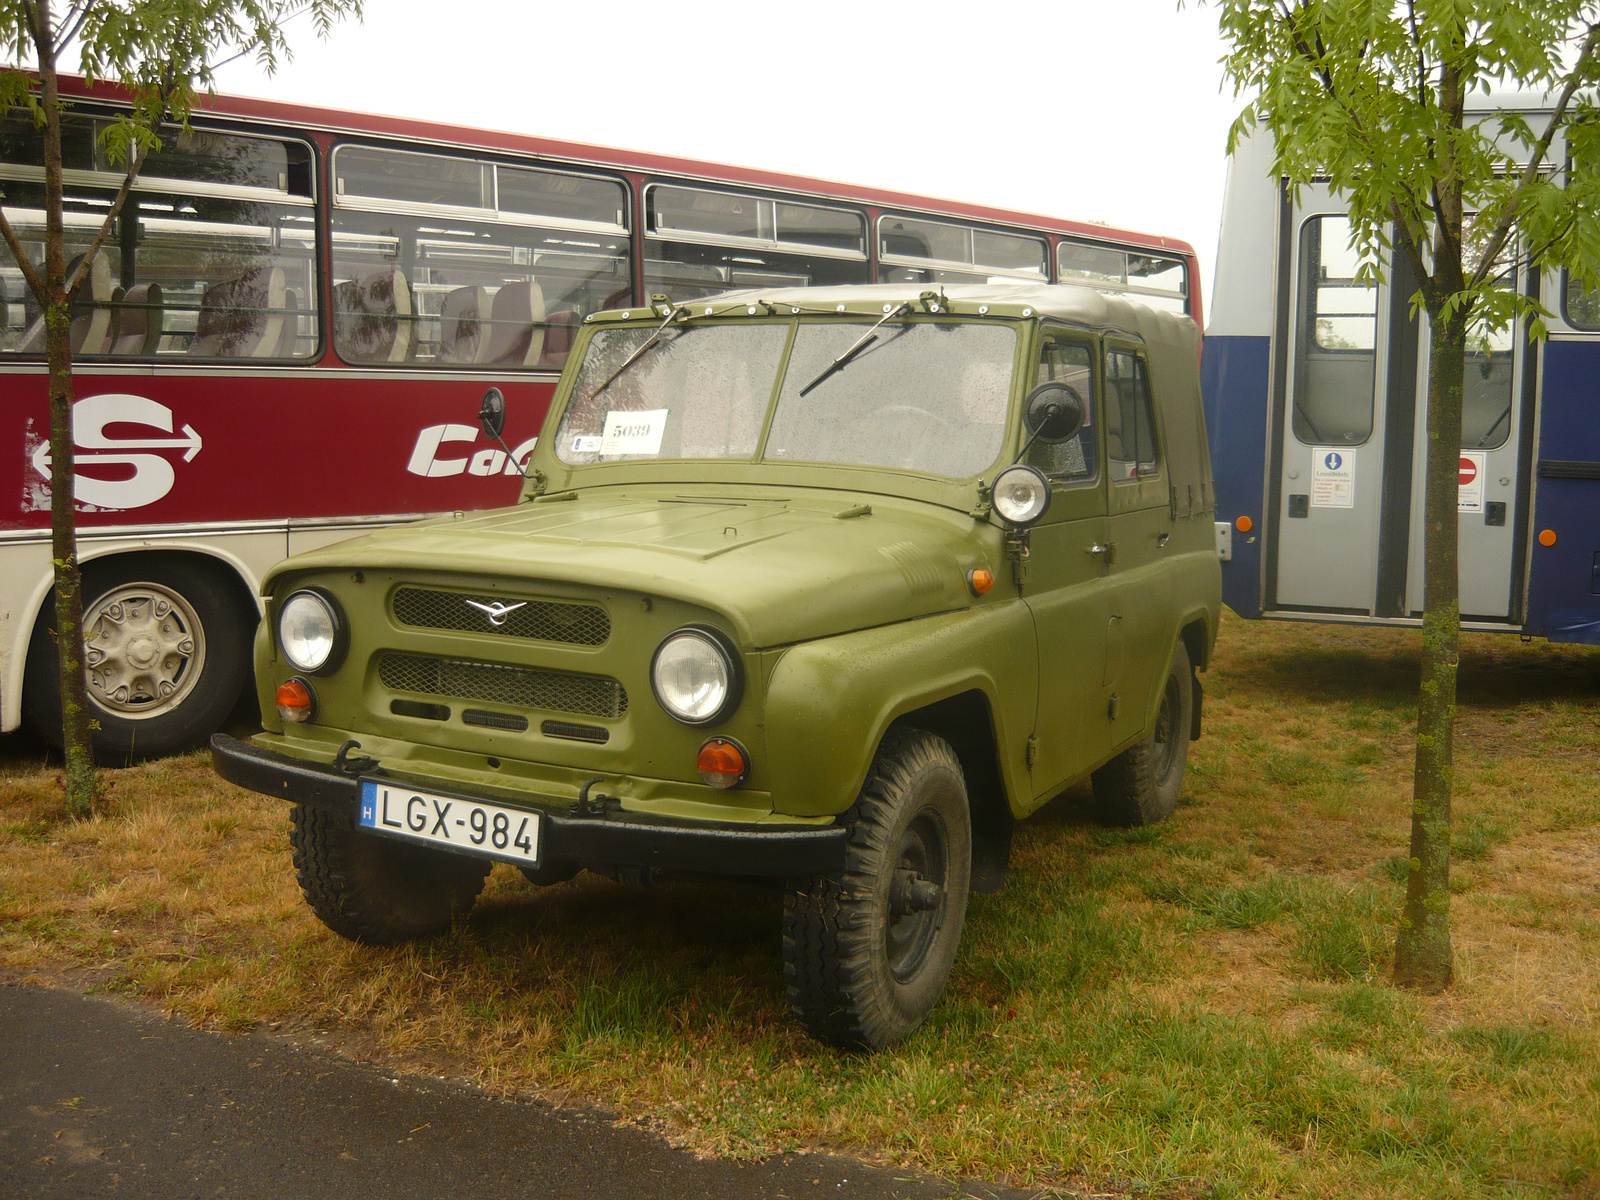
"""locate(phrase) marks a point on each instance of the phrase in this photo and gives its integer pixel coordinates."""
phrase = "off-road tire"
(226, 627)
(841, 936)
(377, 890)
(1140, 786)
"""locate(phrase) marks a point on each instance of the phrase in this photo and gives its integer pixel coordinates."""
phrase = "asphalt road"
(101, 1098)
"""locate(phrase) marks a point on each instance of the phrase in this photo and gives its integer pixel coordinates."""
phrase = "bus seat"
(92, 311)
(463, 323)
(372, 317)
(516, 339)
(242, 317)
(289, 339)
(138, 323)
(560, 328)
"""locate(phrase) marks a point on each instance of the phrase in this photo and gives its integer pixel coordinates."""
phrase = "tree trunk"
(1422, 956)
(82, 783)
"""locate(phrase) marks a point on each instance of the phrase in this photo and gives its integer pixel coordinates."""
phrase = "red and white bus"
(285, 341)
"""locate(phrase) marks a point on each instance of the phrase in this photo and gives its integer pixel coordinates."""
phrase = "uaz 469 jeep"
(825, 586)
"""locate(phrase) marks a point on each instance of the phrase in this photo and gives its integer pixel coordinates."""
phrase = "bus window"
(1335, 339)
(912, 250)
(1486, 396)
(452, 261)
(213, 255)
(1130, 421)
(1078, 459)
(1154, 279)
(702, 241)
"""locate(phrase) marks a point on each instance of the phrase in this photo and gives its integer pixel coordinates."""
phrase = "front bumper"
(616, 838)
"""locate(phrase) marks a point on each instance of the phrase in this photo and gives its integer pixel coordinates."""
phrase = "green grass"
(1194, 1009)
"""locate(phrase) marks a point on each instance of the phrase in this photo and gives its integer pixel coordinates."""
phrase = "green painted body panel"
(843, 589)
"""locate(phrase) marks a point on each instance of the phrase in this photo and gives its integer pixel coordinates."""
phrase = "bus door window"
(453, 261)
(702, 241)
(1336, 339)
(1154, 279)
(913, 250)
(1487, 399)
(213, 254)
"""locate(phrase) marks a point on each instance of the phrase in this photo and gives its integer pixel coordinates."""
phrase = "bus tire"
(866, 955)
(1140, 786)
(373, 889)
(172, 638)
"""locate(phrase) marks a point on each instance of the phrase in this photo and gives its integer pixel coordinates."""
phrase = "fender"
(830, 701)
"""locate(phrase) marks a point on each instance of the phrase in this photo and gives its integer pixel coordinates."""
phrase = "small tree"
(1371, 96)
(160, 52)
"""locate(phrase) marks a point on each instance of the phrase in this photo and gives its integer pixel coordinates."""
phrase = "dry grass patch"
(1197, 1009)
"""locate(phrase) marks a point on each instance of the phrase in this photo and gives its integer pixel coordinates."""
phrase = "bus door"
(1333, 438)
(1491, 435)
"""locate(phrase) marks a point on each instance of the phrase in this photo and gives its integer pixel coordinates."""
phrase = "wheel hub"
(916, 895)
(144, 647)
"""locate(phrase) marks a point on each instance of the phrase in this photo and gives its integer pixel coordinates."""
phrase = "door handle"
(1105, 553)
(1162, 539)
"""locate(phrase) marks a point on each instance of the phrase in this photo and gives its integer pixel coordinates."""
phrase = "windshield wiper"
(865, 340)
(651, 342)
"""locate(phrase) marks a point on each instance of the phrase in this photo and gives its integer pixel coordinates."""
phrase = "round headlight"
(695, 676)
(310, 632)
(1021, 494)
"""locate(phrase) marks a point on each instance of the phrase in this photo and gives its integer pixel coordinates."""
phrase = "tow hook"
(353, 767)
(595, 806)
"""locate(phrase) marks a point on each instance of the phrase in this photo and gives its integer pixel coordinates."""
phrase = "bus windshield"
(924, 396)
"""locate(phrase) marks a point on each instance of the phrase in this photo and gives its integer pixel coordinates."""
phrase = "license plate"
(470, 826)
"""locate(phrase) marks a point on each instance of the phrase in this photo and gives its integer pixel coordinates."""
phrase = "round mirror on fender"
(1054, 413)
(1021, 495)
(492, 413)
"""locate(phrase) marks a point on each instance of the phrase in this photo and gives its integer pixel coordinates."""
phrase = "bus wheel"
(167, 652)
(866, 955)
(1140, 786)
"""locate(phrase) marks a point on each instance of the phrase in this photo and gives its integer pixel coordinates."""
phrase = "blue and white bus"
(1316, 396)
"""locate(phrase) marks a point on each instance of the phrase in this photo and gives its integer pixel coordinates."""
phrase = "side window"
(213, 255)
(459, 262)
(1336, 339)
(1131, 449)
(913, 250)
(1077, 460)
(701, 241)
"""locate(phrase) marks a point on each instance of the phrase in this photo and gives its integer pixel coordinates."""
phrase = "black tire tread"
(333, 863)
(827, 935)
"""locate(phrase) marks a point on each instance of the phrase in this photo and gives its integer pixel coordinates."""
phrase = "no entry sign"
(1470, 476)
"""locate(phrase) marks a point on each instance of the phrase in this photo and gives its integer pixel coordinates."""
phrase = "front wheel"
(371, 889)
(1140, 786)
(166, 652)
(866, 954)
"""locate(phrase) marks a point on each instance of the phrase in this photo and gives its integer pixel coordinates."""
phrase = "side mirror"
(492, 414)
(1054, 413)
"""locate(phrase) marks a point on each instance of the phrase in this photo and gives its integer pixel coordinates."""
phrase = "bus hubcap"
(145, 649)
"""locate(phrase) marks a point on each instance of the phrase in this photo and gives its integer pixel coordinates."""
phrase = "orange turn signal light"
(980, 580)
(723, 763)
(1244, 524)
(1547, 537)
(295, 700)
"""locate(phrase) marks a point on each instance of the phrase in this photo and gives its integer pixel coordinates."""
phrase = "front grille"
(542, 620)
(526, 687)
(493, 720)
(576, 733)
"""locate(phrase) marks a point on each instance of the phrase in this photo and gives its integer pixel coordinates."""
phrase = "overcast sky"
(1100, 110)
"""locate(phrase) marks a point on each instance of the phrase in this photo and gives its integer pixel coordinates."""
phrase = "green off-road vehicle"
(821, 586)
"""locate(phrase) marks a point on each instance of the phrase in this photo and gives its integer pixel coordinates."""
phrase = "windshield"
(923, 396)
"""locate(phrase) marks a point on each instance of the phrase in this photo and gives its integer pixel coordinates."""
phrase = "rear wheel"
(166, 651)
(866, 955)
(375, 890)
(1140, 786)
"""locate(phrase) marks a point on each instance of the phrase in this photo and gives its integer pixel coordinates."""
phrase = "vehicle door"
(1139, 522)
(1066, 587)
(1351, 446)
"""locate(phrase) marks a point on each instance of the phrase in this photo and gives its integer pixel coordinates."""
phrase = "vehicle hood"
(781, 569)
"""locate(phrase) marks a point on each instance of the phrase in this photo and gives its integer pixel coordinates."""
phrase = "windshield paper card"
(1333, 477)
(1470, 477)
(634, 432)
